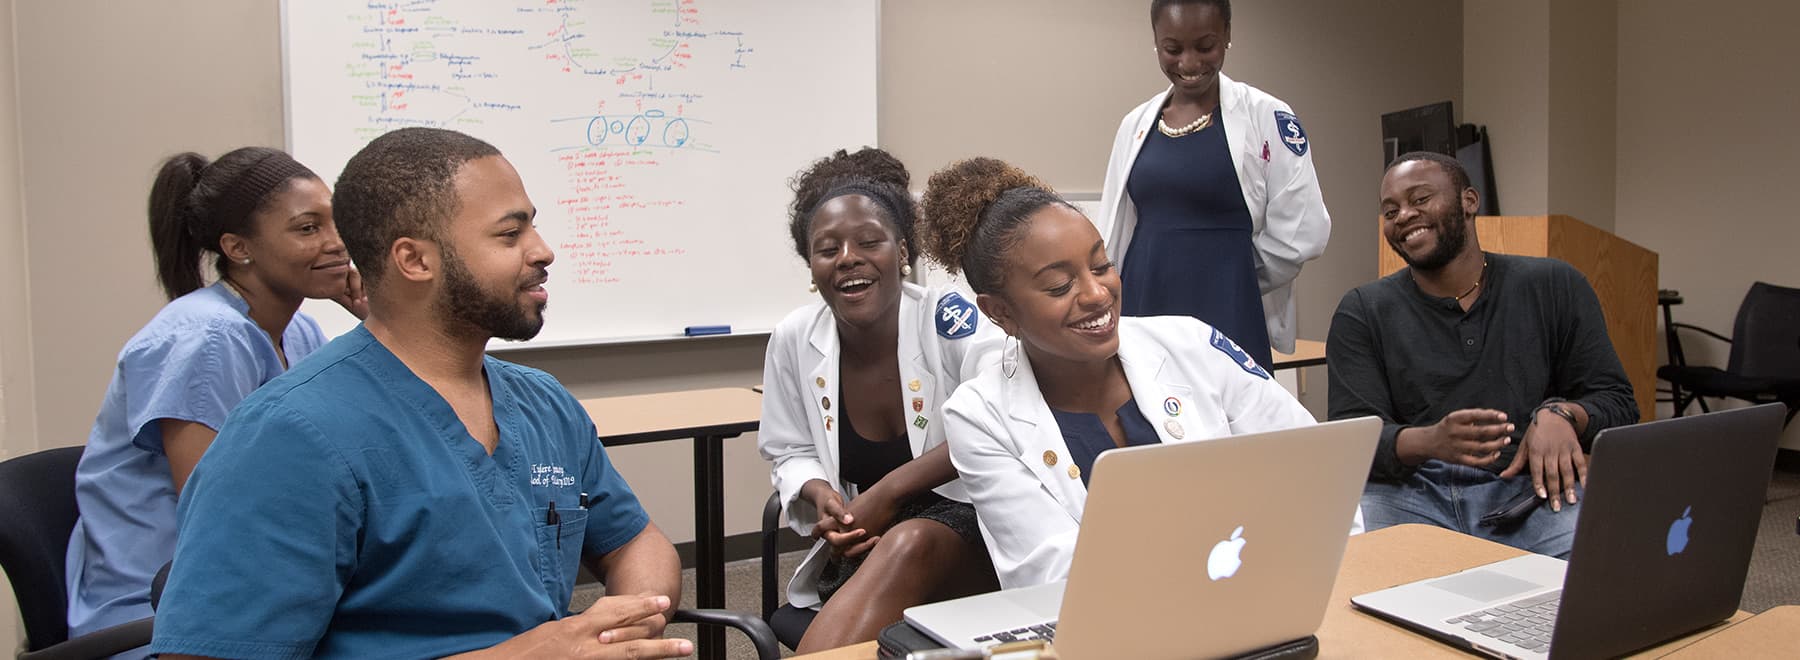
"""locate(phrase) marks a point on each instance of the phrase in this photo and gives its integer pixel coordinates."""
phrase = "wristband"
(1549, 404)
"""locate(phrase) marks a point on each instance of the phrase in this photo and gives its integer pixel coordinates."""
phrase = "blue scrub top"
(345, 511)
(196, 359)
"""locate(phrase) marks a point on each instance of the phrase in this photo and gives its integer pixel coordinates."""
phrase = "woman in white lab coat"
(1079, 379)
(1211, 204)
(851, 413)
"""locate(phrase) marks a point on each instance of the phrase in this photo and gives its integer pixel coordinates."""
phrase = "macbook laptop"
(1661, 548)
(1189, 550)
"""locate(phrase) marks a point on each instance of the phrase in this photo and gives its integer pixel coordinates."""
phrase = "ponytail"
(173, 241)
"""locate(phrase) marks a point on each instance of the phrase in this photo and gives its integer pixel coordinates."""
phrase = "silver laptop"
(1661, 549)
(1240, 537)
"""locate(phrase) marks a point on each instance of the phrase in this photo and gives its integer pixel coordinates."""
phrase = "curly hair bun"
(956, 198)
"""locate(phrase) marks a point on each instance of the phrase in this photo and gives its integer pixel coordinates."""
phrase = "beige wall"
(1506, 66)
(1583, 96)
(1706, 151)
(17, 435)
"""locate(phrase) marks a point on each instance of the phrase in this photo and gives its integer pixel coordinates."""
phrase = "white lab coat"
(1030, 512)
(803, 352)
(1281, 189)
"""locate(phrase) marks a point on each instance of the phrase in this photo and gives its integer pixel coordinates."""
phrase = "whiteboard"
(655, 137)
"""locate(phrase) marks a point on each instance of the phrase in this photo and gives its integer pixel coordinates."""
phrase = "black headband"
(242, 195)
(871, 191)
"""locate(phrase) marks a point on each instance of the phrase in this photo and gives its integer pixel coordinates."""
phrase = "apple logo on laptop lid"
(1223, 562)
(1678, 532)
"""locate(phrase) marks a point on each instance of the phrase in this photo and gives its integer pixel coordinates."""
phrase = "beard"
(1453, 235)
(464, 302)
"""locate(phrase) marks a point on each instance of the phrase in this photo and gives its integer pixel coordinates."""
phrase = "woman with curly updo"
(1075, 379)
(851, 415)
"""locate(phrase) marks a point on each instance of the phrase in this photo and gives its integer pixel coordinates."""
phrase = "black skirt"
(958, 516)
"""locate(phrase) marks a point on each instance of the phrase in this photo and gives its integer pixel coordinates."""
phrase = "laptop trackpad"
(1484, 585)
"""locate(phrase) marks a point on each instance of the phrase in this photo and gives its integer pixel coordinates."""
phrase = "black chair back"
(1765, 340)
(37, 513)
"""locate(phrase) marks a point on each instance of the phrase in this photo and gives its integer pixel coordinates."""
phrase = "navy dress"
(1191, 254)
(1087, 438)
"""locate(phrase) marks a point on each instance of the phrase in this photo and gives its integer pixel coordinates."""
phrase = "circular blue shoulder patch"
(956, 317)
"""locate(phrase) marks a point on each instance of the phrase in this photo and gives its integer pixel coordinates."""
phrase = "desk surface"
(1376, 561)
(1306, 353)
(668, 415)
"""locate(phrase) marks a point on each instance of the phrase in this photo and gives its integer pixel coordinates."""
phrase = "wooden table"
(709, 417)
(1387, 558)
(1307, 353)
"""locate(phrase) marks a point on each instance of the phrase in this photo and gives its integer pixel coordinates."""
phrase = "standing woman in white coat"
(855, 383)
(1080, 380)
(1211, 204)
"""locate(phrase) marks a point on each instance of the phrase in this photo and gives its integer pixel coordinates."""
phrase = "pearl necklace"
(1198, 125)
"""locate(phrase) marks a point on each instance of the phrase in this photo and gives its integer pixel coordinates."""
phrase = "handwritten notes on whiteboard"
(656, 137)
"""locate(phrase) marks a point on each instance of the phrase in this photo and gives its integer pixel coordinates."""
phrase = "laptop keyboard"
(1526, 622)
(1045, 631)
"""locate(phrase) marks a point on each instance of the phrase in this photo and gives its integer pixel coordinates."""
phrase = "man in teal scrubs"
(400, 494)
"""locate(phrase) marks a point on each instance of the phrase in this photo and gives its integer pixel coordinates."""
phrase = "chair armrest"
(1704, 331)
(771, 555)
(157, 583)
(101, 643)
(756, 629)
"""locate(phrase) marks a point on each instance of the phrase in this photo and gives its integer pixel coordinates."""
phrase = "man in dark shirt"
(1492, 372)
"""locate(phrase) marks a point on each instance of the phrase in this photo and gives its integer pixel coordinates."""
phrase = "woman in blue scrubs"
(265, 222)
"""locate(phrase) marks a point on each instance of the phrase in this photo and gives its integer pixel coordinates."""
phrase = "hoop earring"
(1009, 357)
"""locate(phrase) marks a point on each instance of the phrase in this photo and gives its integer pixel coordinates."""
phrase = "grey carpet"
(1774, 569)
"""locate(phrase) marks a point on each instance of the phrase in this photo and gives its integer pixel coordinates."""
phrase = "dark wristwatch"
(1550, 405)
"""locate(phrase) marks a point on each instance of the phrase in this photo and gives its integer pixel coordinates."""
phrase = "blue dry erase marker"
(703, 330)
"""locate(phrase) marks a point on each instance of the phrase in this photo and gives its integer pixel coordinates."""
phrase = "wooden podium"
(1622, 273)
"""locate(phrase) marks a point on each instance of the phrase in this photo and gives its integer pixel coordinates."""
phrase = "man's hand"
(1553, 454)
(615, 627)
(1472, 437)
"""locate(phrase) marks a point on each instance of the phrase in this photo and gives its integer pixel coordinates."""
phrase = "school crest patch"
(1243, 359)
(1292, 134)
(956, 317)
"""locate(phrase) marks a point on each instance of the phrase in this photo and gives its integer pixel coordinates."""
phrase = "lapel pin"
(914, 385)
(820, 381)
(1049, 458)
(1174, 429)
(825, 401)
(1074, 471)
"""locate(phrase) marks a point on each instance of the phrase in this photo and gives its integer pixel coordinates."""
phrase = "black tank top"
(862, 461)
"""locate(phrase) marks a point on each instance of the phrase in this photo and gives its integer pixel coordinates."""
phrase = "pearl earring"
(906, 270)
(812, 287)
(246, 261)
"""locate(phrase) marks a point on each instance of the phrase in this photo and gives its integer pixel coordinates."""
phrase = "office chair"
(789, 623)
(37, 513)
(1764, 365)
